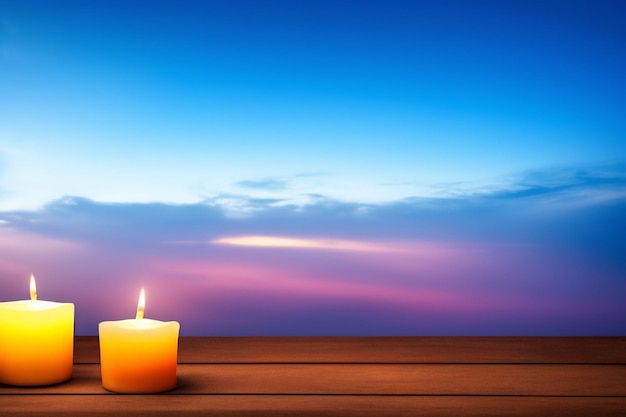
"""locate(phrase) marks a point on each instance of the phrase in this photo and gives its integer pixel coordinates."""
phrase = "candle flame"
(33, 288)
(141, 304)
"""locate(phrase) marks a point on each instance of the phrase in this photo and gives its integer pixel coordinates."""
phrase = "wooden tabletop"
(356, 376)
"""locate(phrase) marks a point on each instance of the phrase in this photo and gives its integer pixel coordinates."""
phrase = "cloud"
(483, 263)
(551, 200)
(241, 205)
(270, 184)
(298, 243)
(610, 179)
(553, 181)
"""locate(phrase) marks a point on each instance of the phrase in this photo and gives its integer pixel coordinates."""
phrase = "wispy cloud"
(455, 260)
(528, 183)
(241, 205)
(300, 243)
(271, 184)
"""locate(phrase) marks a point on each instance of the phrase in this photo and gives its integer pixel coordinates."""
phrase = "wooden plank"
(347, 376)
(283, 406)
(571, 350)
(374, 379)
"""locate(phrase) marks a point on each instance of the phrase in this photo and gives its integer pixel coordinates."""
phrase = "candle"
(138, 356)
(36, 341)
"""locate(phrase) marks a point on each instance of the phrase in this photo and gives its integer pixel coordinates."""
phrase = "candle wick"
(139, 313)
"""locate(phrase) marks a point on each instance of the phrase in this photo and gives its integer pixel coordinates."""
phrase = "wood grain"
(309, 405)
(581, 350)
(331, 376)
(356, 379)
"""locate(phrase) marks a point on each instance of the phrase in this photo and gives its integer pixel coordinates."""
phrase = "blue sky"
(498, 124)
(366, 101)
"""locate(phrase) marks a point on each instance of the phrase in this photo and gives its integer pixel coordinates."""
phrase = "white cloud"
(301, 243)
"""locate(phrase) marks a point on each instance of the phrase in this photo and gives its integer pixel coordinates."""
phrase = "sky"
(316, 167)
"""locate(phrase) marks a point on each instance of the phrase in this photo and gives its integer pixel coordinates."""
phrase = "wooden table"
(356, 376)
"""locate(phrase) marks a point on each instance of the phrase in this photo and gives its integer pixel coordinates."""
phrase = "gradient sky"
(318, 167)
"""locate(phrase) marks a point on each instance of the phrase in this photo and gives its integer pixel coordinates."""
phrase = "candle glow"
(33, 288)
(138, 355)
(141, 305)
(36, 341)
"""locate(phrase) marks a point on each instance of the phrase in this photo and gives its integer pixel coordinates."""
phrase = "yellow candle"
(138, 356)
(36, 341)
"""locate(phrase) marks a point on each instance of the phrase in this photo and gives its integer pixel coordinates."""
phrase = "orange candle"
(138, 356)
(36, 341)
